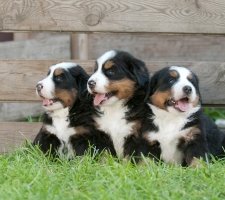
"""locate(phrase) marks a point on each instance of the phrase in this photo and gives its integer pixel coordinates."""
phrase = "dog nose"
(91, 84)
(187, 90)
(39, 86)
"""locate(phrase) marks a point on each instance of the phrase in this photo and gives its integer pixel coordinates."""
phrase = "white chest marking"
(170, 131)
(60, 128)
(113, 122)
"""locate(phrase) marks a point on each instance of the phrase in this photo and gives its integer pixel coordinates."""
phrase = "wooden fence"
(197, 18)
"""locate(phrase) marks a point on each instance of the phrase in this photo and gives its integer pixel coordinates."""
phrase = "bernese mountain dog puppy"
(183, 131)
(119, 86)
(68, 127)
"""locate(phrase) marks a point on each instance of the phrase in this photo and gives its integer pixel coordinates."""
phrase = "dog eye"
(59, 78)
(171, 80)
(110, 72)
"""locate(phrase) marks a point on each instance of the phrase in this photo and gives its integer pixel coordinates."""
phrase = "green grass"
(215, 113)
(27, 174)
(33, 118)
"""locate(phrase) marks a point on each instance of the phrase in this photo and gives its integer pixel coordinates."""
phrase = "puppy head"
(175, 89)
(117, 76)
(62, 86)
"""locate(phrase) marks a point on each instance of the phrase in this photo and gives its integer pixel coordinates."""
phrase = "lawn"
(27, 174)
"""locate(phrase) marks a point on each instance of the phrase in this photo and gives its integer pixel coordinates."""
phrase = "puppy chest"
(169, 138)
(60, 128)
(117, 127)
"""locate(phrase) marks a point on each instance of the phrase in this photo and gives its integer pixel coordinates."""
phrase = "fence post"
(79, 46)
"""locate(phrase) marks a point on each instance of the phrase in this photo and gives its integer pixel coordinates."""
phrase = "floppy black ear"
(157, 78)
(154, 83)
(138, 70)
(196, 85)
(196, 80)
(81, 78)
(141, 74)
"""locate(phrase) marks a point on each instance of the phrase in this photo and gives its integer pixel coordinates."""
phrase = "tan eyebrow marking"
(190, 76)
(173, 73)
(108, 64)
(58, 72)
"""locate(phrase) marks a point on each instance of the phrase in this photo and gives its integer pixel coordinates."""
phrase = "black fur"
(163, 81)
(138, 109)
(47, 142)
(136, 144)
(210, 141)
(127, 66)
(198, 147)
(215, 137)
(80, 115)
(132, 67)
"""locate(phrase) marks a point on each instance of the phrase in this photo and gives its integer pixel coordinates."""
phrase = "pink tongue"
(47, 102)
(99, 98)
(182, 106)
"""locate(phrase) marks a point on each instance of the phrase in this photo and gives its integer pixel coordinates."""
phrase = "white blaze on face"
(100, 79)
(48, 90)
(177, 89)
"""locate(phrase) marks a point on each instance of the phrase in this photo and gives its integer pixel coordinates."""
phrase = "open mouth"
(47, 102)
(182, 104)
(100, 98)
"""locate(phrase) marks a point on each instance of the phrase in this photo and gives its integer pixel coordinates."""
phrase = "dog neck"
(173, 115)
(59, 113)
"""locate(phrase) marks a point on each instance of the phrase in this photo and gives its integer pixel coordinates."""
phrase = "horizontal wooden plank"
(13, 134)
(18, 78)
(163, 47)
(52, 47)
(19, 111)
(197, 16)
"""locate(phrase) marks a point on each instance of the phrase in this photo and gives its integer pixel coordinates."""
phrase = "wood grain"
(79, 46)
(192, 16)
(52, 47)
(13, 134)
(163, 47)
(19, 111)
(18, 78)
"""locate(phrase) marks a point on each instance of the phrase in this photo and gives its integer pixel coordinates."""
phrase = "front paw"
(197, 163)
